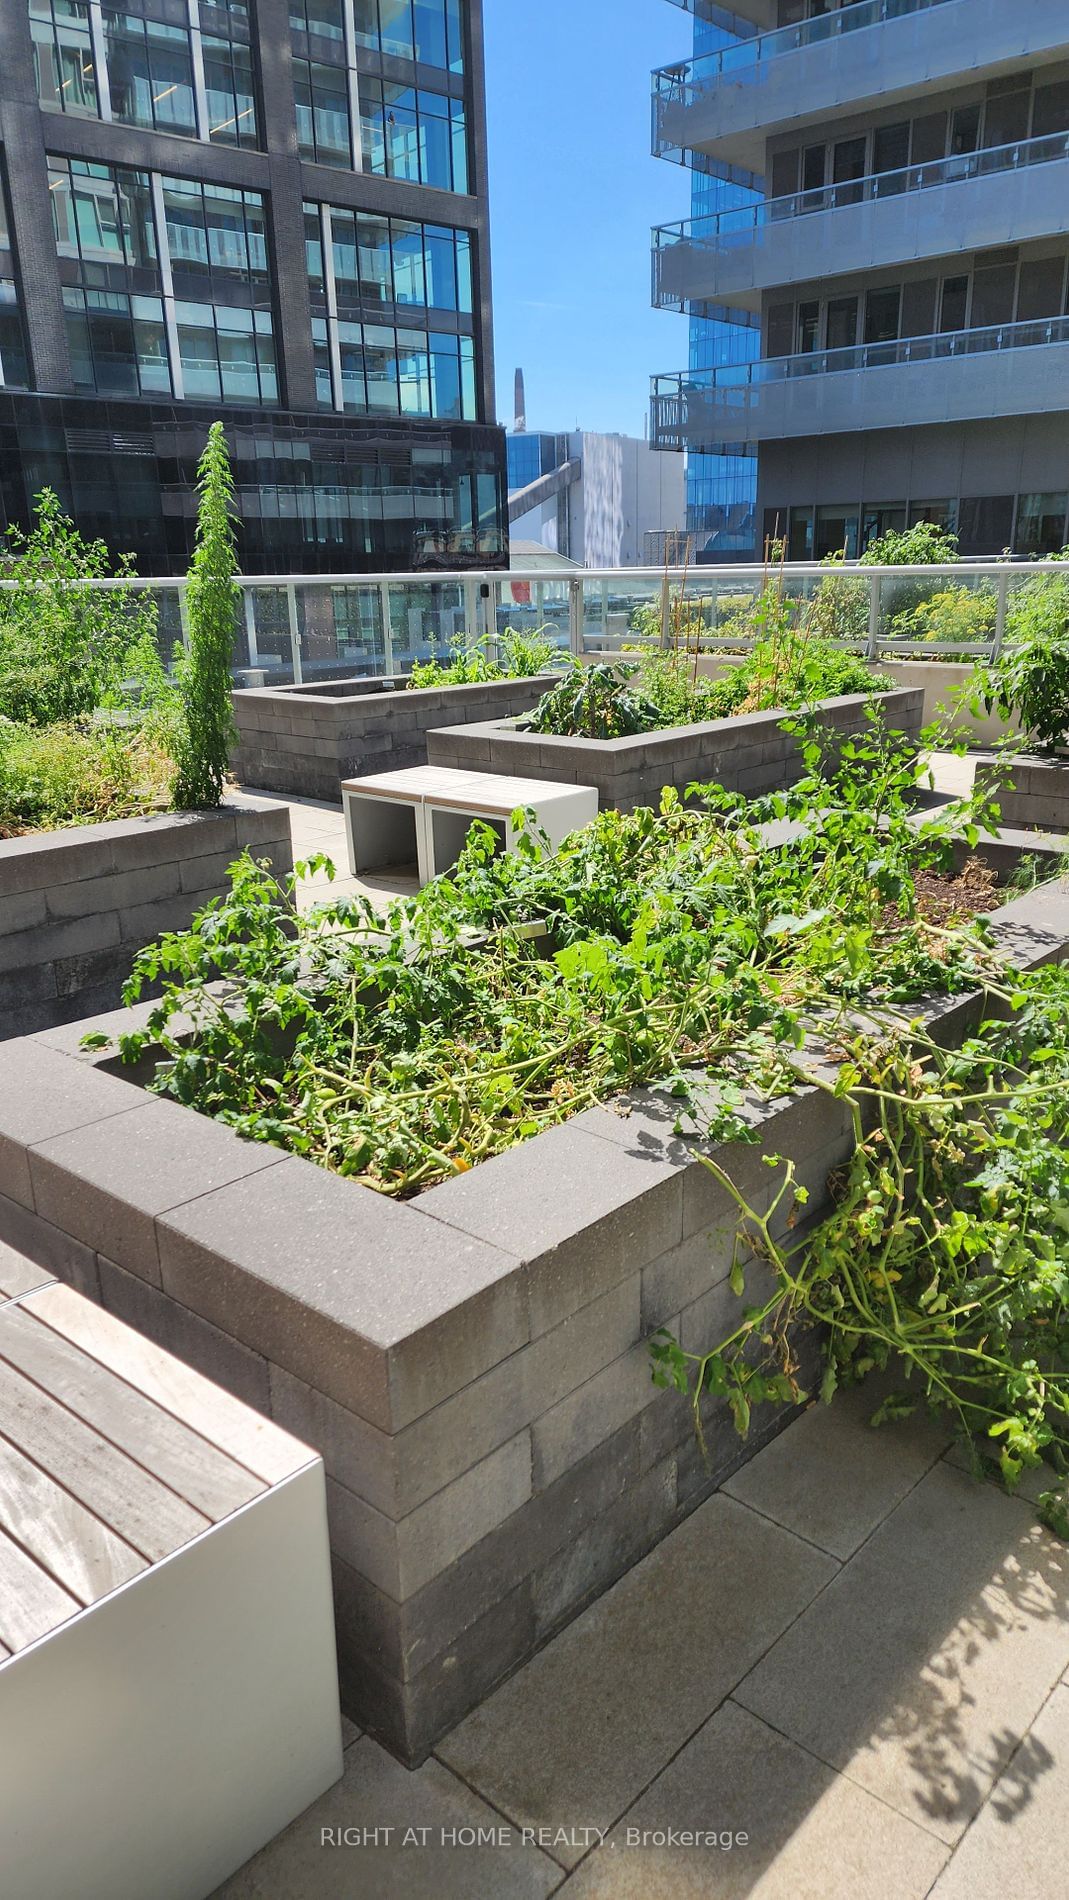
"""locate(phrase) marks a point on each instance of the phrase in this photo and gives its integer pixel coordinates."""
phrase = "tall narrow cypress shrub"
(207, 729)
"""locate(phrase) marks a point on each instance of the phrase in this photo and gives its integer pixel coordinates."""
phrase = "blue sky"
(573, 193)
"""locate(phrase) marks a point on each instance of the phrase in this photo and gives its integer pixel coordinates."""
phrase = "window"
(929, 138)
(848, 165)
(800, 535)
(102, 214)
(814, 160)
(118, 344)
(63, 56)
(325, 18)
(890, 153)
(150, 73)
(412, 134)
(994, 293)
(918, 307)
(1050, 110)
(889, 518)
(216, 239)
(1041, 524)
(1007, 113)
(842, 323)
(14, 360)
(784, 175)
(431, 31)
(942, 514)
(323, 128)
(836, 532)
(163, 311)
(1041, 291)
(391, 363)
(229, 91)
(808, 328)
(965, 130)
(985, 524)
(780, 340)
(882, 308)
(954, 303)
(226, 353)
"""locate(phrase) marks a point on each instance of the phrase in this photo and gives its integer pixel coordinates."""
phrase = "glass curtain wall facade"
(328, 276)
(721, 487)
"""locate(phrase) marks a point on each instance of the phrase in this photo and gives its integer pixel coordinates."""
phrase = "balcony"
(727, 103)
(1009, 370)
(983, 198)
(742, 16)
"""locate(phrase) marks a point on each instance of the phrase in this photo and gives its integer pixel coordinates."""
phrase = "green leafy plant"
(520, 656)
(207, 730)
(68, 645)
(594, 702)
(945, 1256)
(59, 775)
(926, 544)
(952, 615)
(404, 1046)
(1030, 677)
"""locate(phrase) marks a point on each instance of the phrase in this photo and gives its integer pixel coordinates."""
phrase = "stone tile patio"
(858, 1660)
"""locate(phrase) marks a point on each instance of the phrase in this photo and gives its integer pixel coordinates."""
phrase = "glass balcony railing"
(682, 82)
(714, 231)
(863, 356)
(363, 628)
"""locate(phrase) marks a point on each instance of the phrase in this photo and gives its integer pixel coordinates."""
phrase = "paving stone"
(873, 1469)
(376, 1793)
(1030, 1485)
(42, 1094)
(385, 1311)
(810, 1834)
(1019, 1842)
(107, 1182)
(579, 1214)
(920, 1668)
(577, 1734)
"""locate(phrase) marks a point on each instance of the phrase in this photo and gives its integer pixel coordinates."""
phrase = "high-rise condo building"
(274, 212)
(900, 234)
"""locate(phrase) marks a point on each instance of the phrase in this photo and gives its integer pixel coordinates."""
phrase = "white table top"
(464, 791)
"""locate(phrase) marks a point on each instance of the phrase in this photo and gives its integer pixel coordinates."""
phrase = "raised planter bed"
(472, 1364)
(749, 754)
(1037, 794)
(76, 905)
(306, 739)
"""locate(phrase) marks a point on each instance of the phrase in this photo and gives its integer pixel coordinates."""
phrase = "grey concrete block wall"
(76, 905)
(472, 1365)
(1032, 792)
(750, 754)
(305, 739)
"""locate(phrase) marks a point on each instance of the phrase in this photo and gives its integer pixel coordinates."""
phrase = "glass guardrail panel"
(271, 654)
(428, 620)
(341, 632)
(533, 609)
(167, 603)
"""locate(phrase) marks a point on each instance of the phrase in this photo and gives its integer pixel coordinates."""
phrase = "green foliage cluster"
(1030, 678)
(87, 716)
(945, 1257)
(68, 648)
(520, 656)
(953, 615)
(923, 545)
(406, 1046)
(58, 775)
(784, 668)
(207, 732)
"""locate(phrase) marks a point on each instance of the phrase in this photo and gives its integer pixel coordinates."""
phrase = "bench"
(168, 1682)
(422, 815)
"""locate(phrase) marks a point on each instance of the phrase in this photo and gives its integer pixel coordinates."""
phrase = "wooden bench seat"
(168, 1685)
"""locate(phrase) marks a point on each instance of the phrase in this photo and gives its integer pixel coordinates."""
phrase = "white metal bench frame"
(155, 1731)
(427, 811)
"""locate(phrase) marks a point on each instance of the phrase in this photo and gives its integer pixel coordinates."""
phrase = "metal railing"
(683, 81)
(711, 232)
(862, 356)
(316, 629)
